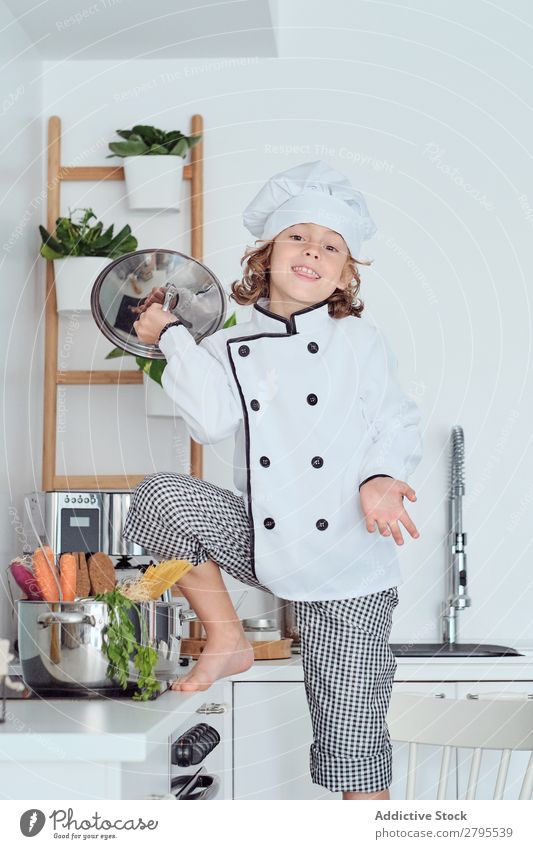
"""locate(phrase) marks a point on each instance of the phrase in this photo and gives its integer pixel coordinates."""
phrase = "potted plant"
(80, 249)
(158, 402)
(153, 165)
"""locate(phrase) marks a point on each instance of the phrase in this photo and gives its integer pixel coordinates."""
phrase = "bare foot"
(222, 656)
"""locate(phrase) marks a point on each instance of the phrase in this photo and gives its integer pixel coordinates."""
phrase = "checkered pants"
(347, 661)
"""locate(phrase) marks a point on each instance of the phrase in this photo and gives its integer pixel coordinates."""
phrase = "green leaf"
(51, 248)
(231, 321)
(173, 136)
(157, 150)
(180, 148)
(124, 134)
(150, 135)
(49, 253)
(81, 234)
(194, 140)
(132, 147)
(117, 352)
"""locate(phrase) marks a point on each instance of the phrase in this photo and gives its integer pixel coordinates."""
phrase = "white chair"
(480, 723)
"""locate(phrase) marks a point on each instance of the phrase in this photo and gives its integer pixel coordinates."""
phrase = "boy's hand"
(381, 500)
(156, 296)
(149, 325)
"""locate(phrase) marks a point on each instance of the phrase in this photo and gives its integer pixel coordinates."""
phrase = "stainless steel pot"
(61, 648)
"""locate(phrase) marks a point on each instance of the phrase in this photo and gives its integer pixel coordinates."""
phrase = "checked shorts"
(347, 662)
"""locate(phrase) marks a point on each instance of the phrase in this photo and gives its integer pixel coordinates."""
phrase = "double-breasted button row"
(269, 523)
(316, 462)
(311, 399)
(244, 350)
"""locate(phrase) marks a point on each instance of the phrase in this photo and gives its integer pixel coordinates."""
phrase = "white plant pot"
(75, 277)
(153, 182)
(158, 402)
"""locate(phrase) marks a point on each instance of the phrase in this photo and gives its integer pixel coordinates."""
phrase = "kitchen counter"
(511, 668)
(124, 730)
(93, 729)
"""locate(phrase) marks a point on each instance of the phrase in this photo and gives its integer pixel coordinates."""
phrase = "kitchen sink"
(451, 650)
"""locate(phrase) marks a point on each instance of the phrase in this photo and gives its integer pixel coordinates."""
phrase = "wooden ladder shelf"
(53, 378)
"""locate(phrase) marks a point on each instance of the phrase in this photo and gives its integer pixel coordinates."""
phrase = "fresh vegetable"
(45, 571)
(83, 238)
(119, 643)
(143, 140)
(26, 580)
(68, 568)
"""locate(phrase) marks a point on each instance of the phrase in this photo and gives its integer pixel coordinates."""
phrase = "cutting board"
(274, 650)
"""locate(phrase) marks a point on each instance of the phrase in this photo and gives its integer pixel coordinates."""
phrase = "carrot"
(68, 568)
(44, 569)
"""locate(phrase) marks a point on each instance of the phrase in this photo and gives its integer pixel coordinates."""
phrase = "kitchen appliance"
(191, 292)
(79, 521)
(197, 767)
(61, 650)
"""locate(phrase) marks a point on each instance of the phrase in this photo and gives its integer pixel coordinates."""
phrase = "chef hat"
(312, 192)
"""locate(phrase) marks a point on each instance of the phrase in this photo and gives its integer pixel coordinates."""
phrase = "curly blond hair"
(255, 282)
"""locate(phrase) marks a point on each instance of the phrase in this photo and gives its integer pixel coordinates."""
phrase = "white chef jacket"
(315, 408)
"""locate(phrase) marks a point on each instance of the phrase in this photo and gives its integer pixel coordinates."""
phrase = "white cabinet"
(272, 735)
(490, 760)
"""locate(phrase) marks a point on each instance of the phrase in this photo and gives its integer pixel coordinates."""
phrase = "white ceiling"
(139, 29)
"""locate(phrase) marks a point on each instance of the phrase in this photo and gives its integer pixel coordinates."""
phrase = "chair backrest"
(478, 724)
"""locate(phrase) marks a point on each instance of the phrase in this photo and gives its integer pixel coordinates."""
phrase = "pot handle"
(185, 615)
(65, 617)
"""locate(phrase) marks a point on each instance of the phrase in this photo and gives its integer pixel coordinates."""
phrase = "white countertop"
(93, 729)
(124, 730)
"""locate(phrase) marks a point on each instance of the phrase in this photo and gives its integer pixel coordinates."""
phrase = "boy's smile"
(306, 266)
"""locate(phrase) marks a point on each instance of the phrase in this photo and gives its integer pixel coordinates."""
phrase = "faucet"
(457, 598)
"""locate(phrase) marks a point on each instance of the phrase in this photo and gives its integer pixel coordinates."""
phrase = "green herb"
(143, 140)
(84, 237)
(119, 643)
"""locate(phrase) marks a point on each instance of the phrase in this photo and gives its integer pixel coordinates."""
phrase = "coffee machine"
(80, 521)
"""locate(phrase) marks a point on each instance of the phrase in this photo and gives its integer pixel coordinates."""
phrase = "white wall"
(428, 111)
(22, 295)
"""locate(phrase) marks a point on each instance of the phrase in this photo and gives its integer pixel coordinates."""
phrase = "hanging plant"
(143, 140)
(85, 237)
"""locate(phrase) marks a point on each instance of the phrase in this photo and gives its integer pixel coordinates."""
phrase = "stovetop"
(15, 673)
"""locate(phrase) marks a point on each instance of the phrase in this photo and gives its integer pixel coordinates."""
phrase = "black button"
(312, 347)
(254, 404)
(317, 462)
(312, 399)
(269, 523)
(264, 461)
(244, 350)
(322, 524)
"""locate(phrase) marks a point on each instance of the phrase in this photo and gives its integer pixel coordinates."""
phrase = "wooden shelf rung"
(99, 378)
(98, 173)
(81, 483)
